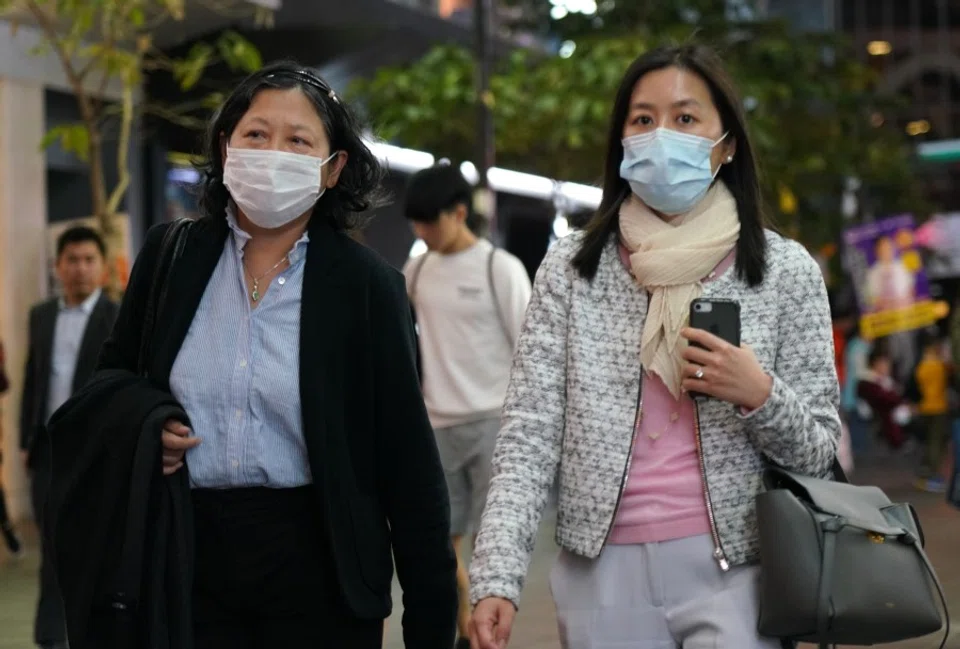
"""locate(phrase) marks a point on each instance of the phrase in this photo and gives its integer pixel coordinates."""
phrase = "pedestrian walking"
(470, 299)
(932, 377)
(7, 531)
(856, 355)
(656, 515)
(66, 334)
(882, 400)
(843, 324)
(287, 352)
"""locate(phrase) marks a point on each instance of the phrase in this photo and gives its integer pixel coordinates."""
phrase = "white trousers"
(656, 596)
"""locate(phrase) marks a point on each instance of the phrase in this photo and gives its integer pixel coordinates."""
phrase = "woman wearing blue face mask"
(656, 513)
(284, 353)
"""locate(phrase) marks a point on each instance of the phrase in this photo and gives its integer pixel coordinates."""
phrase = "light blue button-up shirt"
(67, 337)
(237, 376)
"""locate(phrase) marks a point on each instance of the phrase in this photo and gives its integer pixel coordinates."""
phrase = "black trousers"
(264, 576)
(49, 626)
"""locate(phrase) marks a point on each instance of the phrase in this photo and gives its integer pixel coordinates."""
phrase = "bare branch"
(88, 68)
(175, 117)
(109, 29)
(48, 25)
(157, 60)
(227, 7)
(154, 22)
(123, 151)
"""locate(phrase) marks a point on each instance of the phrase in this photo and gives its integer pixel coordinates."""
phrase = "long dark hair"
(740, 176)
(359, 183)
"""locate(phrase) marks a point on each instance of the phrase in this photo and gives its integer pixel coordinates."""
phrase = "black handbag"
(841, 564)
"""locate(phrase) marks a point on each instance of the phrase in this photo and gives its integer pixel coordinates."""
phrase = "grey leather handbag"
(841, 564)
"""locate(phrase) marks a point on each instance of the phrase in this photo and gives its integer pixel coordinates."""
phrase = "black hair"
(358, 187)
(437, 189)
(741, 175)
(877, 353)
(80, 234)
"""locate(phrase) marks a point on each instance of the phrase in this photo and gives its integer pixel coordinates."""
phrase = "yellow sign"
(916, 316)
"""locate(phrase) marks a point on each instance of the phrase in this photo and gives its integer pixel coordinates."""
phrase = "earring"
(729, 159)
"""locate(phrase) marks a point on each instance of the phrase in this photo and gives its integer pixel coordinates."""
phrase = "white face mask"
(273, 188)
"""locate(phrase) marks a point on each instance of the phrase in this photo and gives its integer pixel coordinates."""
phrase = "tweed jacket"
(575, 392)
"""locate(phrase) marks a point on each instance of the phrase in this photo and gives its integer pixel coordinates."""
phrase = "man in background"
(470, 300)
(66, 334)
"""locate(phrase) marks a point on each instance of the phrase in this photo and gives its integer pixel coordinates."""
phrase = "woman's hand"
(492, 623)
(176, 442)
(729, 373)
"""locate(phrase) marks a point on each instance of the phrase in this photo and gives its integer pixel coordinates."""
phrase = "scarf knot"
(670, 260)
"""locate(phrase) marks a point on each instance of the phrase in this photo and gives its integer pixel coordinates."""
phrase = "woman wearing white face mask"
(290, 348)
(656, 510)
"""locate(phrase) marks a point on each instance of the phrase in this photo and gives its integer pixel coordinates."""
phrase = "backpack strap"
(415, 278)
(412, 293)
(496, 300)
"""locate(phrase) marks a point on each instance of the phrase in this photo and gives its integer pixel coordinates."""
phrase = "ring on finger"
(698, 374)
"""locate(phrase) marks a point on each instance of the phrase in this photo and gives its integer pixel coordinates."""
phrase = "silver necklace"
(255, 293)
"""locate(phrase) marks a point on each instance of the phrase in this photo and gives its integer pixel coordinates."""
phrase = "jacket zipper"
(626, 468)
(718, 554)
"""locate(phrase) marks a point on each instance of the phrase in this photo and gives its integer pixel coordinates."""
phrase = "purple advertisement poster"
(887, 270)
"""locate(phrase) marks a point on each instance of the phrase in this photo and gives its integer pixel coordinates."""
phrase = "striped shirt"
(237, 377)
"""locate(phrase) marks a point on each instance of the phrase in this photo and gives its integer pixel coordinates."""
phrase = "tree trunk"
(106, 219)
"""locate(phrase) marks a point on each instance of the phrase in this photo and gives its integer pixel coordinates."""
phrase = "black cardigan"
(118, 532)
(371, 448)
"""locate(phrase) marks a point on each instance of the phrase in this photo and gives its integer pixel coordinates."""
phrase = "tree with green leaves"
(810, 104)
(103, 42)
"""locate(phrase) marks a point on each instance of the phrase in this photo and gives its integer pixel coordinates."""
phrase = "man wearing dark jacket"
(66, 334)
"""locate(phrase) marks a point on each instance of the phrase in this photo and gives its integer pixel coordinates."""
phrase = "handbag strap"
(170, 248)
(831, 528)
(936, 582)
(839, 475)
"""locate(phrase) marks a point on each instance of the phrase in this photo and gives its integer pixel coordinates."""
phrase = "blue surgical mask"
(668, 170)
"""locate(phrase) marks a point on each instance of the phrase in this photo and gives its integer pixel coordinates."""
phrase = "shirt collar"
(87, 305)
(241, 237)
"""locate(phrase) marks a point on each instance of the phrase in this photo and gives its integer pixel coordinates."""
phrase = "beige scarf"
(669, 260)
